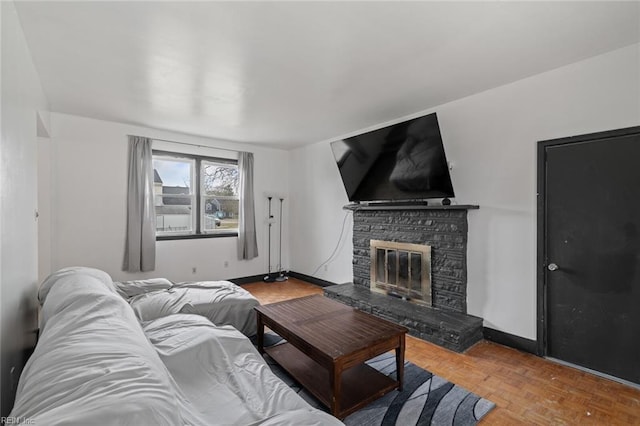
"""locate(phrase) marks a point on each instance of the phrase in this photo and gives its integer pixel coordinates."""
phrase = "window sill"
(195, 236)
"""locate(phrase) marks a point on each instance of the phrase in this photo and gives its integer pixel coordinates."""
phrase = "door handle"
(552, 267)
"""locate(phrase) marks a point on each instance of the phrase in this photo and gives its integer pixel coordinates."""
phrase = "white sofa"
(96, 364)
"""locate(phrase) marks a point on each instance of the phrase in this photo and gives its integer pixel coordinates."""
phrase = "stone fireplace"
(385, 239)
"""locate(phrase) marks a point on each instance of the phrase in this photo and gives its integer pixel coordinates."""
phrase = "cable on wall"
(338, 244)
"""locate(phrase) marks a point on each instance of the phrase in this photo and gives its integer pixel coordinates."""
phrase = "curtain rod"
(192, 144)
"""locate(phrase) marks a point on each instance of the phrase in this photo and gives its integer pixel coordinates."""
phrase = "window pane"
(173, 173)
(220, 179)
(219, 197)
(174, 219)
(173, 194)
(220, 214)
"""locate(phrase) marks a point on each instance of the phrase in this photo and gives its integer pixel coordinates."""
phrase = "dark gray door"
(590, 265)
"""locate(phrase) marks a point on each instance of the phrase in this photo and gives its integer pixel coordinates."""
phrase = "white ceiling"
(287, 74)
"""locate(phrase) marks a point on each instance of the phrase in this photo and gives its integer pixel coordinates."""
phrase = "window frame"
(198, 215)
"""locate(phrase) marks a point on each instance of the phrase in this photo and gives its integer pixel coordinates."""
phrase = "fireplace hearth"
(385, 239)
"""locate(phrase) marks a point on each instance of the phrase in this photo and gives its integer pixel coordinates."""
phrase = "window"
(195, 196)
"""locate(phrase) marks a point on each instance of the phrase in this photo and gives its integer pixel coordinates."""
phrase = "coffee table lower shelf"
(361, 384)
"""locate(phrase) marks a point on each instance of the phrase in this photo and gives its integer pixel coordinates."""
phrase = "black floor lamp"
(281, 275)
(269, 278)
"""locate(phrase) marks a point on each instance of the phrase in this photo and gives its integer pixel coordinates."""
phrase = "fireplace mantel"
(374, 206)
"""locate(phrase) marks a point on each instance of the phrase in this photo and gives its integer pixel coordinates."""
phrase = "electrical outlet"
(194, 270)
(226, 263)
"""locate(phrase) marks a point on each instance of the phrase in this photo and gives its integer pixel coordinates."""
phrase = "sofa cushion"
(224, 378)
(222, 302)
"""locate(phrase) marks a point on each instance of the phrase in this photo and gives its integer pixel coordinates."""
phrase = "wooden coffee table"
(327, 345)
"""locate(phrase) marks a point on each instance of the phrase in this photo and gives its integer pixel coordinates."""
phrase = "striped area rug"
(425, 400)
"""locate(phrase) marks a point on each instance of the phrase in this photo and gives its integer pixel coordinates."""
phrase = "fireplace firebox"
(401, 270)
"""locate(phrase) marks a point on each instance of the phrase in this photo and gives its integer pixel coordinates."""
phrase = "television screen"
(402, 162)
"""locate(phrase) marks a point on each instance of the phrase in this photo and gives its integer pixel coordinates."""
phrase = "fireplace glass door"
(401, 269)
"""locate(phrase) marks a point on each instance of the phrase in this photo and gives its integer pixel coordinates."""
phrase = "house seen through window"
(194, 196)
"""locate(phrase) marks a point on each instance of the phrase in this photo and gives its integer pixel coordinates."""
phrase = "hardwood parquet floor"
(525, 388)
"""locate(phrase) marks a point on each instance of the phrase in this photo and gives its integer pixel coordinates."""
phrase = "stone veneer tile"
(442, 229)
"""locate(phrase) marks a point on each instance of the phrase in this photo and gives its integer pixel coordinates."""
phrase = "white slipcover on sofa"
(222, 302)
(96, 364)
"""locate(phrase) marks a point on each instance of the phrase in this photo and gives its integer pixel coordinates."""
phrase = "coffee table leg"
(335, 382)
(400, 362)
(260, 332)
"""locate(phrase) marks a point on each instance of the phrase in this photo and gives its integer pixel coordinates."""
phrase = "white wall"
(22, 98)
(321, 229)
(491, 138)
(89, 203)
(44, 208)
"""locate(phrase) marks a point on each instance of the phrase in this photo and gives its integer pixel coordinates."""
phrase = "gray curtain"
(140, 248)
(247, 241)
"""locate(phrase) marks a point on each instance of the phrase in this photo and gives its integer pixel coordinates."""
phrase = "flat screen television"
(398, 163)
